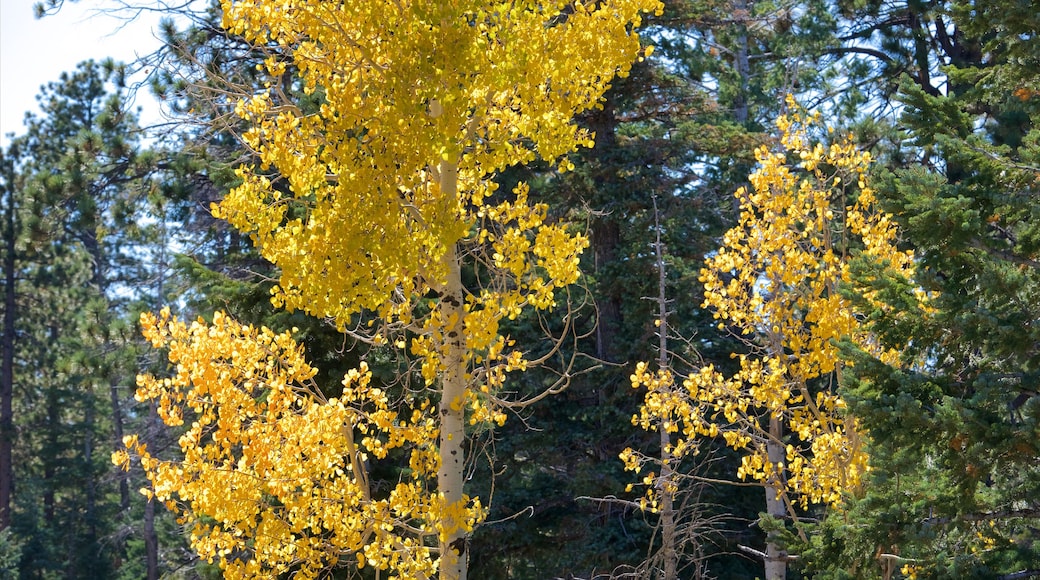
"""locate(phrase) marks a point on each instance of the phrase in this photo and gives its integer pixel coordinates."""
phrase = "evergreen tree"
(79, 191)
(12, 244)
(954, 487)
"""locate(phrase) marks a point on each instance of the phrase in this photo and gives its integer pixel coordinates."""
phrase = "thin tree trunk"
(151, 541)
(151, 538)
(776, 558)
(742, 10)
(7, 366)
(153, 427)
(743, 65)
(117, 428)
(605, 237)
(669, 551)
(49, 470)
(90, 477)
(453, 549)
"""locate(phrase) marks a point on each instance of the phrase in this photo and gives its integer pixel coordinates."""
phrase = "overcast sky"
(34, 52)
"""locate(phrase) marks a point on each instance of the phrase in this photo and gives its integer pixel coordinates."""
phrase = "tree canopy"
(384, 282)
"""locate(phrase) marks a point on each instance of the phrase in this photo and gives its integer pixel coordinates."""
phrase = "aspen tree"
(379, 200)
(777, 283)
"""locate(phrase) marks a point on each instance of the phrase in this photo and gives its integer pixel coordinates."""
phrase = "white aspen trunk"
(453, 549)
(776, 559)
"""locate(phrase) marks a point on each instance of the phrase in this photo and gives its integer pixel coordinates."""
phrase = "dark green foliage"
(955, 485)
(660, 134)
(90, 231)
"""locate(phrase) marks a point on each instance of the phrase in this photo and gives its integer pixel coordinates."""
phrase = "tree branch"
(762, 555)
(1033, 513)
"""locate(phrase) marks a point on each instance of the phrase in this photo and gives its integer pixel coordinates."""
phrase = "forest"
(530, 289)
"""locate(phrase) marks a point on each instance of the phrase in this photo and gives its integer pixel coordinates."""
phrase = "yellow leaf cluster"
(414, 96)
(367, 200)
(407, 91)
(273, 477)
(776, 283)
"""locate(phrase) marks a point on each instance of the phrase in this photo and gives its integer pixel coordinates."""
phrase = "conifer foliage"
(75, 186)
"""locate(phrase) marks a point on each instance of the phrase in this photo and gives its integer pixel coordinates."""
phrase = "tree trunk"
(117, 428)
(743, 64)
(90, 478)
(669, 550)
(605, 236)
(151, 538)
(151, 541)
(669, 553)
(776, 558)
(453, 549)
(154, 425)
(7, 365)
(53, 446)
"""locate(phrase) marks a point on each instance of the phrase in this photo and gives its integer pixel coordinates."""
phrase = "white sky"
(34, 52)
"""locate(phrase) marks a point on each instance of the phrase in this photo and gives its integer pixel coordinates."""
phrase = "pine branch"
(1033, 513)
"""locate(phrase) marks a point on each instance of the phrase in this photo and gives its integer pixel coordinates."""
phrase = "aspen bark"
(452, 405)
(776, 559)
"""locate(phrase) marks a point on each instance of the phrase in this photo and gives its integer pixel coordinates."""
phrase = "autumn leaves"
(777, 283)
(373, 188)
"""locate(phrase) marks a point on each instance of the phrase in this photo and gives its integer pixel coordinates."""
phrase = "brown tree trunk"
(7, 365)
(90, 480)
(742, 63)
(151, 541)
(605, 237)
(49, 471)
(117, 428)
(669, 550)
(742, 13)
(151, 538)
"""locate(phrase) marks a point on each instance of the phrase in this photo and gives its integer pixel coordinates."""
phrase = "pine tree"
(78, 190)
(11, 238)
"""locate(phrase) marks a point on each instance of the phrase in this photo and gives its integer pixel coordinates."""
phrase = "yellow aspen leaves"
(416, 97)
(368, 199)
(408, 86)
(776, 283)
(273, 478)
